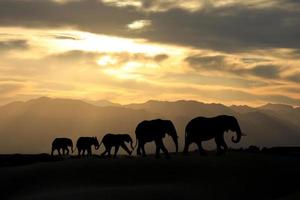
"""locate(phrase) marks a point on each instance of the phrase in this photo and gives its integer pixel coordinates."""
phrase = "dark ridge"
(26, 159)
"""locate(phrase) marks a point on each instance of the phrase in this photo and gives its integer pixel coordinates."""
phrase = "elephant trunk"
(238, 136)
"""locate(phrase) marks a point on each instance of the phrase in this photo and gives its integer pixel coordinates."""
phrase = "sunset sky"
(222, 51)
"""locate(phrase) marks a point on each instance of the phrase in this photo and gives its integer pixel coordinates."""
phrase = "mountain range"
(30, 127)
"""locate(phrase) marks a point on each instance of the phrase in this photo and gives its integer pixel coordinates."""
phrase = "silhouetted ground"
(237, 175)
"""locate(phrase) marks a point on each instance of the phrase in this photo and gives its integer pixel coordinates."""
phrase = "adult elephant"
(155, 130)
(116, 140)
(85, 144)
(62, 144)
(202, 129)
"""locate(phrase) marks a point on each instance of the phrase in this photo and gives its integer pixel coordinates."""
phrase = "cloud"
(98, 17)
(9, 88)
(213, 80)
(119, 59)
(220, 64)
(294, 77)
(13, 45)
(207, 62)
(229, 29)
(266, 71)
(251, 60)
(234, 27)
(241, 37)
(66, 37)
(139, 24)
(161, 57)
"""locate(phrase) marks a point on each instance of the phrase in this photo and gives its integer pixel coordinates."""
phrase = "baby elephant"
(116, 140)
(62, 143)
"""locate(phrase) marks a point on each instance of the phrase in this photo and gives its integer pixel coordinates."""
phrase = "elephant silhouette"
(85, 144)
(116, 140)
(155, 130)
(62, 144)
(202, 129)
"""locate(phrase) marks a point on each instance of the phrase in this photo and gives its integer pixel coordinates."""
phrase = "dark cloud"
(13, 44)
(74, 55)
(90, 15)
(219, 63)
(161, 57)
(294, 78)
(253, 60)
(266, 71)
(66, 37)
(207, 62)
(295, 90)
(295, 54)
(229, 28)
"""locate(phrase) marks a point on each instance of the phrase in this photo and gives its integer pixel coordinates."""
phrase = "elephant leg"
(186, 146)
(220, 143)
(201, 150)
(116, 150)
(158, 146)
(63, 150)
(126, 149)
(138, 151)
(143, 150)
(89, 151)
(109, 151)
(163, 148)
(59, 151)
(224, 145)
(52, 150)
(67, 149)
(105, 152)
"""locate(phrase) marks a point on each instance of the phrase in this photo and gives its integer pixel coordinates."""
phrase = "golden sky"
(229, 51)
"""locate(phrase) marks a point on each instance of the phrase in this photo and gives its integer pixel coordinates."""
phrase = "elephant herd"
(197, 130)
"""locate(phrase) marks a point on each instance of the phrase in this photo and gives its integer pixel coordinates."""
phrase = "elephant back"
(62, 142)
(149, 127)
(83, 142)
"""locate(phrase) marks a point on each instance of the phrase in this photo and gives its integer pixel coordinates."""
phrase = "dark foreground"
(237, 175)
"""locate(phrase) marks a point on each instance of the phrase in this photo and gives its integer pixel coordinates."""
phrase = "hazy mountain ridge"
(102, 103)
(182, 108)
(36, 122)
